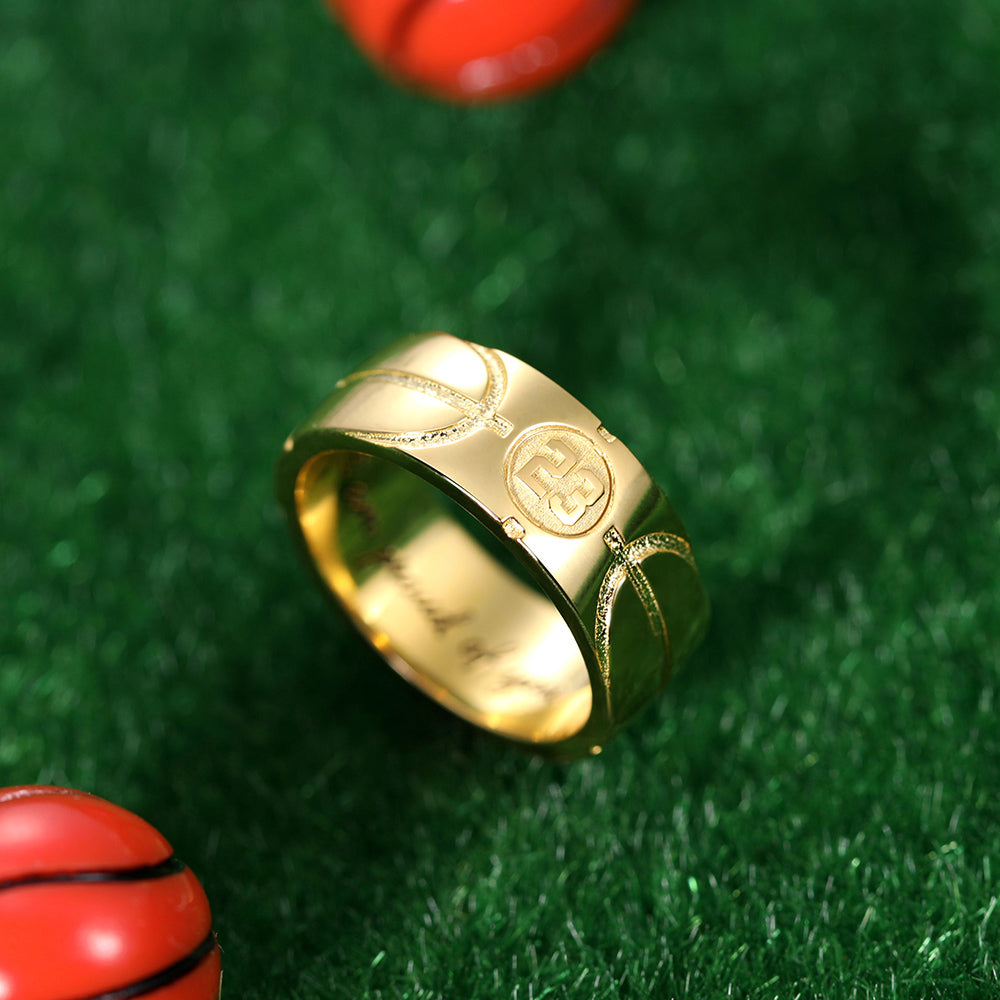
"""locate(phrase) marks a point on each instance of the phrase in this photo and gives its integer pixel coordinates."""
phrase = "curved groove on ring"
(165, 977)
(627, 559)
(477, 415)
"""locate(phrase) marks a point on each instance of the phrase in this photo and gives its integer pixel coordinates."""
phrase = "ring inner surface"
(442, 599)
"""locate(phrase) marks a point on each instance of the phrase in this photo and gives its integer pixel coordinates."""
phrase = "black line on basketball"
(403, 25)
(163, 978)
(172, 866)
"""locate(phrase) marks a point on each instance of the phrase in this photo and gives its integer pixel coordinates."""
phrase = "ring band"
(494, 542)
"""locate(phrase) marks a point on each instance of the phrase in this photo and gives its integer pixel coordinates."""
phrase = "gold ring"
(496, 544)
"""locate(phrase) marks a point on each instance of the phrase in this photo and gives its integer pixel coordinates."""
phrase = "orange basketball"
(94, 905)
(479, 50)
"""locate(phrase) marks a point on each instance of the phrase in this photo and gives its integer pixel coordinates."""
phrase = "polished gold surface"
(494, 542)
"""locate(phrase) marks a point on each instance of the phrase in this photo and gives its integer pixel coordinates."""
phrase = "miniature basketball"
(94, 905)
(479, 50)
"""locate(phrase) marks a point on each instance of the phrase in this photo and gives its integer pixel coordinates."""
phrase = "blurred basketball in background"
(480, 50)
(94, 905)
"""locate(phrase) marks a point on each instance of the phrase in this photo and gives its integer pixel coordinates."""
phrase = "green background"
(761, 241)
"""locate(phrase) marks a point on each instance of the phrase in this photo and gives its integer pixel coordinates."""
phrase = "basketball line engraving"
(476, 414)
(627, 559)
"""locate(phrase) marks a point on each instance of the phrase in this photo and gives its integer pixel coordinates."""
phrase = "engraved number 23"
(570, 506)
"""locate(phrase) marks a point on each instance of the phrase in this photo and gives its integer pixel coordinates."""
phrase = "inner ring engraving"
(558, 478)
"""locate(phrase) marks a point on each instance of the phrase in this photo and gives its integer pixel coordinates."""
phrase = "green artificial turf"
(762, 241)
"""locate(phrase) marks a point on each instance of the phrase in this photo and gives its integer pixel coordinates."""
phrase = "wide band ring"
(494, 542)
